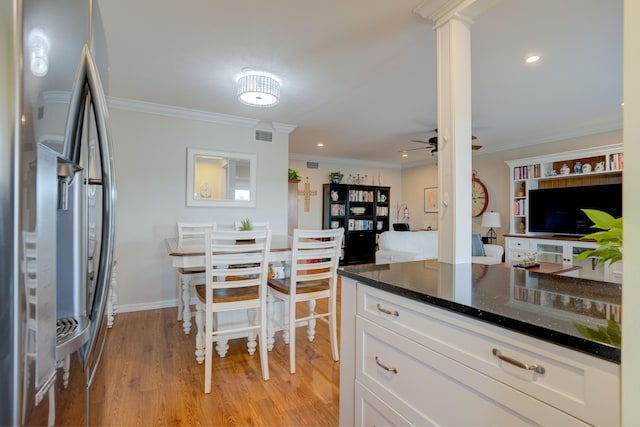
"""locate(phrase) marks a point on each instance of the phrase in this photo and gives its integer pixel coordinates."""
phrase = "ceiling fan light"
(258, 90)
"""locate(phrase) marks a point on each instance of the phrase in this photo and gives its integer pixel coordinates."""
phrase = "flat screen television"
(558, 210)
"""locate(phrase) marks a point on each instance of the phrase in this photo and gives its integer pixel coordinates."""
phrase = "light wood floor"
(149, 377)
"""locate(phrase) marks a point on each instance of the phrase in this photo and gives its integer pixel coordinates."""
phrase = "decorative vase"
(564, 170)
(335, 180)
(577, 167)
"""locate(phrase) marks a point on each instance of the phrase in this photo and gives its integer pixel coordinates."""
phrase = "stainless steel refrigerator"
(57, 213)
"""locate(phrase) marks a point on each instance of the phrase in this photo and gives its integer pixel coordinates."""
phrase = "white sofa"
(401, 246)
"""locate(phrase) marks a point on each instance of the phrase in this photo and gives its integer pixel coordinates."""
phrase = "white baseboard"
(126, 308)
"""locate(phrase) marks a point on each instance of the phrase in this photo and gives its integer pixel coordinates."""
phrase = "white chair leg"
(208, 359)
(264, 354)
(285, 321)
(333, 330)
(292, 336)
(252, 317)
(311, 325)
(51, 421)
(200, 336)
(66, 364)
(271, 329)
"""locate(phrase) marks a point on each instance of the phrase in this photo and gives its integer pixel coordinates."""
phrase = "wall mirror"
(218, 178)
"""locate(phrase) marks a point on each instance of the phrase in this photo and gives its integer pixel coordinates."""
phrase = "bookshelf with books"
(363, 212)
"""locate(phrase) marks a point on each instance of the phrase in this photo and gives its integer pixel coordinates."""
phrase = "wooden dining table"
(189, 254)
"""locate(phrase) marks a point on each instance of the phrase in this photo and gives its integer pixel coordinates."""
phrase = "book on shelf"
(519, 207)
(337, 210)
(616, 162)
(526, 172)
(382, 211)
(360, 196)
(360, 224)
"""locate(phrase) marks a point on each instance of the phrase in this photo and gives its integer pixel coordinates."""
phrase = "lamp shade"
(258, 90)
(491, 220)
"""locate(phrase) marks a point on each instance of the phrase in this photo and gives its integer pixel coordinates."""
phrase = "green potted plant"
(245, 225)
(609, 238)
(293, 175)
(335, 177)
(609, 249)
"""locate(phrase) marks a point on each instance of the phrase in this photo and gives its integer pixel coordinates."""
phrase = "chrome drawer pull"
(538, 369)
(385, 367)
(389, 312)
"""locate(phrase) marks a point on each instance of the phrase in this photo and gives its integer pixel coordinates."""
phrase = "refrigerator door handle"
(88, 82)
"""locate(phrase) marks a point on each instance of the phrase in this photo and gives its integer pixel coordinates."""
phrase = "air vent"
(312, 165)
(264, 136)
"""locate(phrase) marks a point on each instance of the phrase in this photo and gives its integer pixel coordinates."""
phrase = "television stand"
(560, 250)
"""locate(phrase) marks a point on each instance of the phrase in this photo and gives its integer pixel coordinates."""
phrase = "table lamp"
(491, 220)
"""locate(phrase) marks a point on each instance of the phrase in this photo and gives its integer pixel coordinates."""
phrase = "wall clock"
(479, 196)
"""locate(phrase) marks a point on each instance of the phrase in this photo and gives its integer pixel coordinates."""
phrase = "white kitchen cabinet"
(417, 364)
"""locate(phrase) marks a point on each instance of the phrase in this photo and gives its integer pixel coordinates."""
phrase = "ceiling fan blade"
(476, 147)
(413, 149)
(421, 141)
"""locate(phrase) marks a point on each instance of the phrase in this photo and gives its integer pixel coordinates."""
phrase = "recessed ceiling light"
(532, 59)
(405, 155)
(320, 144)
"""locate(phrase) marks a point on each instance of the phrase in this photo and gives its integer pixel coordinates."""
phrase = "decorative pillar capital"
(442, 11)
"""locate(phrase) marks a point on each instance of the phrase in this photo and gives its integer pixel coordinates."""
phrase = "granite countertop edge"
(584, 345)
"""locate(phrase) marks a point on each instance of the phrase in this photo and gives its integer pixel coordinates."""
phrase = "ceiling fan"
(433, 142)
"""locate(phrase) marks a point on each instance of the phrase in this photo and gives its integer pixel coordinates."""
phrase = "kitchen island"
(433, 343)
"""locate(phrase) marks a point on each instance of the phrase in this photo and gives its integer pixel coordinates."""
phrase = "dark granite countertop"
(545, 306)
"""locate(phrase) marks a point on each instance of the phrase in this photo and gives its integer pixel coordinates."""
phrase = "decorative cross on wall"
(307, 193)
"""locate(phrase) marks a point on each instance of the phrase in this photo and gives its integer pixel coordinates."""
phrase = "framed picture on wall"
(431, 200)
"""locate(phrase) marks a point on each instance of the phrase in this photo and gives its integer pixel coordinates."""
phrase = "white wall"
(415, 180)
(150, 154)
(390, 176)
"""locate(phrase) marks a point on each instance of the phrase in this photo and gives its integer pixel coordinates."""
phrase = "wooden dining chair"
(189, 233)
(235, 280)
(314, 264)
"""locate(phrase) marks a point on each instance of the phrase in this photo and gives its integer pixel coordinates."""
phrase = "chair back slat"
(193, 231)
(315, 254)
(231, 263)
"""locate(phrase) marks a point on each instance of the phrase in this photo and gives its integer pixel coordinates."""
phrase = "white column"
(454, 144)
(453, 20)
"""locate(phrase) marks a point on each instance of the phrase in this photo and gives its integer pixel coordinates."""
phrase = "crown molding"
(180, 112)
(343, 160)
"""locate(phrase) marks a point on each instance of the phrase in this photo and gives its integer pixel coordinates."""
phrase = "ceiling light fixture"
(532, 59)
(258, 89)
(38, 52)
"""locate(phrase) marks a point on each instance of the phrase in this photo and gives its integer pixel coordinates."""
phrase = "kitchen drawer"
(572, 381)
(371, 411)
(429, 388)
